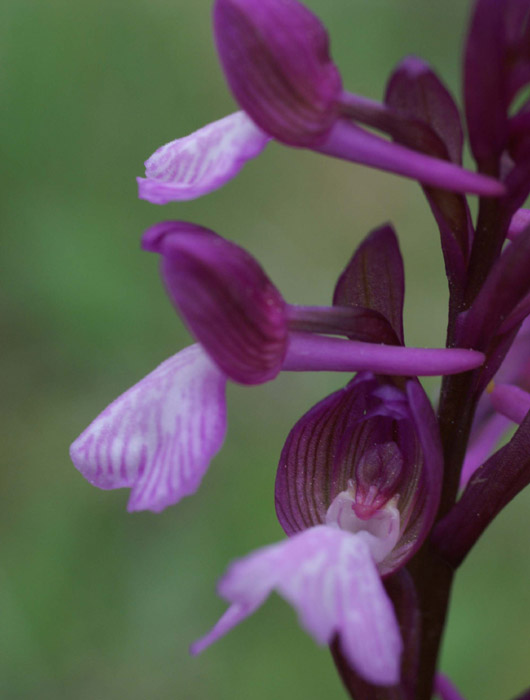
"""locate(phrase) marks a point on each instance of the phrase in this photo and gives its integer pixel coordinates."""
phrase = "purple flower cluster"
(380, 497)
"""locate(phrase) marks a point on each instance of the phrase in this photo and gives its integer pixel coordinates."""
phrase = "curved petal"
(305, 486)
(375, 440)
(505, 287)
(520, 221)
(194, 165)
(431, 124)
(489, 490)
(484, 80)
(445, 688)
(158, 437)
(417, 94)
(329, 577)
(484, 440)
(496, 68)
(375, 278)
(275, 55)
(226, 299)
(425, 483)
(511, 401)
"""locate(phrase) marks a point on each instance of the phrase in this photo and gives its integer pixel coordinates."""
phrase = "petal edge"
(194, 165)
(159, 436)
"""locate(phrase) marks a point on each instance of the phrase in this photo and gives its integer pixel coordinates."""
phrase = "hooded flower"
(275, 55)
(358, 451)
(159, 437)
(276, 59)
(357, 490)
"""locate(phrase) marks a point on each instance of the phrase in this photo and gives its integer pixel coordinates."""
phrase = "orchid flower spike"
(366, 485)
(276, 59)
(357, 490)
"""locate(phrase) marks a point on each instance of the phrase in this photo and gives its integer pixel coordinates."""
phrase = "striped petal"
(375, 278)
(194, 165)
(159, 437)
(374, 439)
(329, 577)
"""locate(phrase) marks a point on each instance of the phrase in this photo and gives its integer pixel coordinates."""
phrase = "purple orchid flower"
(504, 403)
(381, 499)
(160, 436)
(275, 55)
(357, 489)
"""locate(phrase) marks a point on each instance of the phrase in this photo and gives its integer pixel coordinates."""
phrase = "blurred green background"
(99, 604)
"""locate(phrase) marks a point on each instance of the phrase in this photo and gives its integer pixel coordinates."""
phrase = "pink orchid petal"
(329, 577)
(445, 689)
(511, 401)
(520, 221)
(194, 165)
(158, 437)
(485, 439)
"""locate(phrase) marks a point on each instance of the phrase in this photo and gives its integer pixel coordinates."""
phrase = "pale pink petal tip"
(158, 437)
(194, 165)
(329, 577)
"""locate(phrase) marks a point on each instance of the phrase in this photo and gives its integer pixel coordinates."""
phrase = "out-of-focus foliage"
(96, 603)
